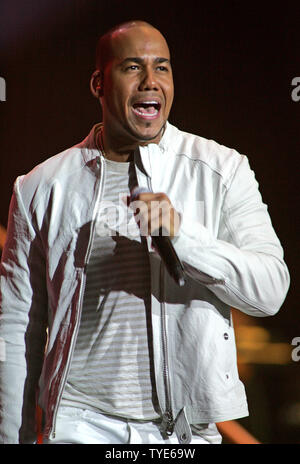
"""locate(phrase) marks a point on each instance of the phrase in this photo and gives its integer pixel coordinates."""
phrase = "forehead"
(139, 41)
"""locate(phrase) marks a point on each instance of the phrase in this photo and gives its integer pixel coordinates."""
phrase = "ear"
(96, 84)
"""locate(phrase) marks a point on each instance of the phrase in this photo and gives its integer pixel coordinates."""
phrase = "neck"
(117, 148)
(108, 151)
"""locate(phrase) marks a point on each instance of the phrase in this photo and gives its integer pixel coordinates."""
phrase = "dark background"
(233, 65)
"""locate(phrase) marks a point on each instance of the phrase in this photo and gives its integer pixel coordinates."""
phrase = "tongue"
(146, 109)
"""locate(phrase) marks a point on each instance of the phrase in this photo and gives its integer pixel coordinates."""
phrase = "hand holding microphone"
(158, 218)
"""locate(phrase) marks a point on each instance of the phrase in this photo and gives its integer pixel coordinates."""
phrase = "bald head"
(104, 48)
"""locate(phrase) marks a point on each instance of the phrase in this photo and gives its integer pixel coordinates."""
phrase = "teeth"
(148, 103)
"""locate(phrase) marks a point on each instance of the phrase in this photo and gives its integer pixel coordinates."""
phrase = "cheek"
(115, 102)
(120, 98)
(170, 96)
(169, 91)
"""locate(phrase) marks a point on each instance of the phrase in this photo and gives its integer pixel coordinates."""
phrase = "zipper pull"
(167, 425)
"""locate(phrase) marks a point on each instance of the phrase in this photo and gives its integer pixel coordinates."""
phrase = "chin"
(148, 135)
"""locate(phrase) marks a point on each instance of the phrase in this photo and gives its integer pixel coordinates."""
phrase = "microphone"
(163, 245)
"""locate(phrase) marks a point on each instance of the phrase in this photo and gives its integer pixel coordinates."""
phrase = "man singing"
(96, 330)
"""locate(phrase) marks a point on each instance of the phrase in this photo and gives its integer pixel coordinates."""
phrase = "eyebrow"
(139, 60)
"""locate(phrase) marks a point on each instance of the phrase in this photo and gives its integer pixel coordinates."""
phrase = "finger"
(150, 196)
(161, 216)
(126, 200)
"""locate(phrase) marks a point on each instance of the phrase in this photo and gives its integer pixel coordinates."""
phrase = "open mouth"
(146, 109)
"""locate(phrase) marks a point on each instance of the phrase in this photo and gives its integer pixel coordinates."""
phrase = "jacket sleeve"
(243, 266)
(23, 307)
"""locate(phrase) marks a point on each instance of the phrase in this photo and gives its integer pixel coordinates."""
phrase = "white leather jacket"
(231, 257)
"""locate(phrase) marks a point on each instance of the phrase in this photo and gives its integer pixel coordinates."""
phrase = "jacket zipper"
(167, 424)
(82, 287)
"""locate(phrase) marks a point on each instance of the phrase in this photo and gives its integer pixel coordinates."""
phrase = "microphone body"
(163, 245)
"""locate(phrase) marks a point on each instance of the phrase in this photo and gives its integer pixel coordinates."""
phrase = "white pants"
(83, 426)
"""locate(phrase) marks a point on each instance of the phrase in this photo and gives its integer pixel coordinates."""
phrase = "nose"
(148, 81)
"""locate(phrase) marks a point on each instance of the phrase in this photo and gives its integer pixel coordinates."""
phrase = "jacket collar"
(142, 155)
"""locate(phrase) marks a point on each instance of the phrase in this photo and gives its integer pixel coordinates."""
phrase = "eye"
(132, 67)
(162, 68)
